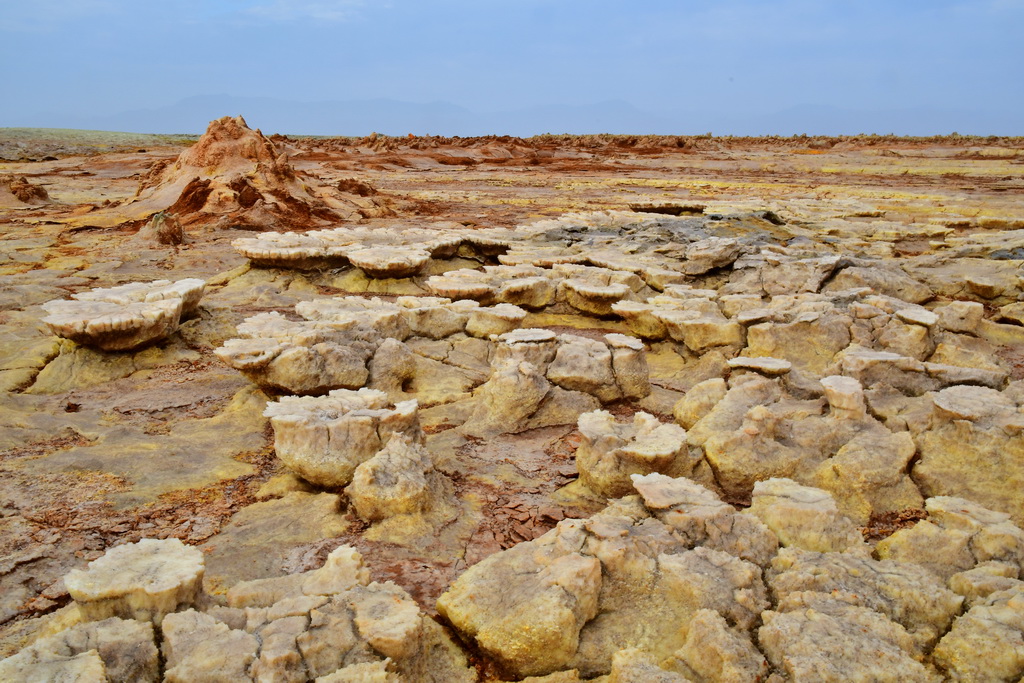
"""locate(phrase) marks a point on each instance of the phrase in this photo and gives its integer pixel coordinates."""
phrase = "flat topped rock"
(917, 316)
(125, 317)
(529, 335)
(682, 291)
(112, 326)
(661, 492)
(335, 404)
(190, 291)
(610, 291)
(145, 581)
(389, 262)
(460, 287)
(766, 365)
(623, 341)
(971, 403)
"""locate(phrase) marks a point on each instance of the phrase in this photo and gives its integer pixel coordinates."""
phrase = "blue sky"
(101, 57)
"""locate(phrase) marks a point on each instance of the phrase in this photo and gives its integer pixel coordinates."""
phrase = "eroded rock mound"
(18, 191)
(162, 228)
(234, 176)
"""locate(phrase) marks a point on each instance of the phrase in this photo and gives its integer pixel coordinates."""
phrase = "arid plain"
(741, 387)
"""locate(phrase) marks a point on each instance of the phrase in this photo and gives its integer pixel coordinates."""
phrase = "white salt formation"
(611, 452)
(399, 480)
(125, 317)
(144, 581)
(337, 346)
(380, 253)
(324, 439)
(331, 623)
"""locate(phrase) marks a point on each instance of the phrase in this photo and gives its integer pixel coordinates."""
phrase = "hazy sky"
(101, 57)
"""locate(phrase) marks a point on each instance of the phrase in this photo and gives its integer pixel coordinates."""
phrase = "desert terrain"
(685, 408)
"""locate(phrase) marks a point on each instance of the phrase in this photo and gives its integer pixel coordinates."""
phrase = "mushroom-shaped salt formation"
(190, 291)
(399, 480)
(492, 242)
(301, 357)
(323, 439)
(845, 397)
(463, 284)
(593, 298)
(358, 318)
(125, 317)
(435, 317)
(499, 319)
(144, 581)
(113, 327)
(390, 261)
(290, 250)
(532, 292)
(610, 451)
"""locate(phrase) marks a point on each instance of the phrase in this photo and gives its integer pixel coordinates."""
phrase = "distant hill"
(394, 117)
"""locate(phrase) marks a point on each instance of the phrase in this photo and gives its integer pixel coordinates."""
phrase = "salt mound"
(125, 317)
(235, 176)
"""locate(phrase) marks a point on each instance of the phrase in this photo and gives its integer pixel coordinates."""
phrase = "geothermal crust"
(666, 444)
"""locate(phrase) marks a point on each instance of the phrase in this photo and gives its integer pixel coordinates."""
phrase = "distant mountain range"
(393, 117)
